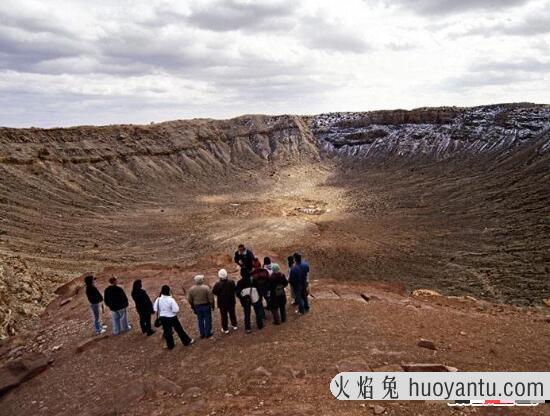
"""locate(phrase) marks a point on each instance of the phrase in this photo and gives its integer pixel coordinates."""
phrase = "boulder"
(22, 369)
(425, 343)
(427, 367)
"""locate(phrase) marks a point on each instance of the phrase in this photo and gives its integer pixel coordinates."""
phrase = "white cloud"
(65, 63)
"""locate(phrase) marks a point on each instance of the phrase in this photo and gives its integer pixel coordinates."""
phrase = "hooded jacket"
(143, 303)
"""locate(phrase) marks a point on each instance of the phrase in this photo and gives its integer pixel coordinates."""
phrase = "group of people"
(261, 289)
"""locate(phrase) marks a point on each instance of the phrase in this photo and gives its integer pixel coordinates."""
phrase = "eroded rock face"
(24, 292)
(434, 133)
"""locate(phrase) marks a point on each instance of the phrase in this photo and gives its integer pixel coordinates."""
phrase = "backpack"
(279, 290)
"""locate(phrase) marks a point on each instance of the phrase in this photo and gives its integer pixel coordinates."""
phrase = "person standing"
(290, 262)
(96, 303)
(116, 300)
(144, 307)
(259, 277)
(224, 290)
(249, 298)
(201, 299)
(297, 286)
(304, 277)
(244, 257)
(268, 265)
(167, 311)
(277, 284)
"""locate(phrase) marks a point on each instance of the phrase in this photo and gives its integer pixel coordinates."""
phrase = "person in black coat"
(224, 290)
(244, 258)
(96, 303)
(116, 300)
(277, 299)
(144, 307)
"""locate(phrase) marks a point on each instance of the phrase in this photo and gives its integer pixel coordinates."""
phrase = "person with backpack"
(96, 303)
(116, 300)
(224, 290)
(244, 257)
(167, 311)
(249, 298)
(304, 277)
(201, 299)
(277, 284)
(259, 281)
(144, 307)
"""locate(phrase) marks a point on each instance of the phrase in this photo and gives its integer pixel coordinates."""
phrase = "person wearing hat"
(224, 290)
(201, 299)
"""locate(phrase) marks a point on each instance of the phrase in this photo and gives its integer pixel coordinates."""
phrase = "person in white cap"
(225, 294)
(201, 299)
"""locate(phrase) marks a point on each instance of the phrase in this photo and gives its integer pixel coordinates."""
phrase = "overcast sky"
(103, 61)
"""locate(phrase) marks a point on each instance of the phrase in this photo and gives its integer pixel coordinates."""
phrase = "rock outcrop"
(434, 133)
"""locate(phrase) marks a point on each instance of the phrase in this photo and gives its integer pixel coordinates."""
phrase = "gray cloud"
(442, 7)
(525, 65)
(490, 73)
(534, 24)
(231, 15)
(319, 33)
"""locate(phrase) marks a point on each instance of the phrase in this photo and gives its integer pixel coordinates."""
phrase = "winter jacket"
(200, 295)
(115, 298)
(93, 295)
(245, 260)
(276, 281)
(295, 278)
(143, 303)
(225, 292)
(246, 292)
(166, 306)
(260, 278)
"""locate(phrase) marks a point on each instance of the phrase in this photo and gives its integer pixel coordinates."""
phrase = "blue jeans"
(120, 321)
(204, 316)
(96, 316)
(299, 298)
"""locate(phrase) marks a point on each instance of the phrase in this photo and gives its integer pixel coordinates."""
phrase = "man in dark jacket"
(297, 283)
(144, 307)
(96, 303)
(304, 277)
(277, 297)
(224, 290)
(116, 300)
(244, 258)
